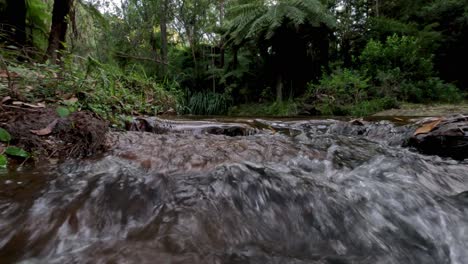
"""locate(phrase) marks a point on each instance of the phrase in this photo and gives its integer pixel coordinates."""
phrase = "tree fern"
(261, 18)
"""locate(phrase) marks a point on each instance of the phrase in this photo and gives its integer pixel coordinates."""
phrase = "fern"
(256, 19)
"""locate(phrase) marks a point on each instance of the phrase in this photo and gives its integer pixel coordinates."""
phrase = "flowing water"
(285, 192)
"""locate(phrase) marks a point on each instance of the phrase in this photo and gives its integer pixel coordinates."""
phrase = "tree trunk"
(221, 23)
(279, 88)
(163, 28)
(324, 47)
(58, 30)
(377, 8)
(346, 52)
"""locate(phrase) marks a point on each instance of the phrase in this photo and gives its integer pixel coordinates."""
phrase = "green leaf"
(16, 152)
(3, 161)
(63, 111)
(4, 135)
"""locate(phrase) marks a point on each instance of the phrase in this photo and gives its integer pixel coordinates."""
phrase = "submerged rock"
(446, 137)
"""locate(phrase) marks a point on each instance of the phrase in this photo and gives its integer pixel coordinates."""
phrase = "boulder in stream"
(446, 137)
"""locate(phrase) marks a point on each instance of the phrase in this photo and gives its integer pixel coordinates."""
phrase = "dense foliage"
(213, 57)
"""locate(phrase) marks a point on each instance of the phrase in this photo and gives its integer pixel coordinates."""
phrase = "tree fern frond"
(296, 15)
(261, 24)
(253, 18)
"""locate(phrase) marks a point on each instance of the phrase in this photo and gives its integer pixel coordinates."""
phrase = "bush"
(437, 90)
(388, 83)
(402, 53)
(398, 68)
(342, 88)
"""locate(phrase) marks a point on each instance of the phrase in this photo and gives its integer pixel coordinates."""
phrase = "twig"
(22, 108)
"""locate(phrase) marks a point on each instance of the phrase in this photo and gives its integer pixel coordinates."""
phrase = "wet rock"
(446, 137)
(162, 126)
(175, 152)
(383, 131)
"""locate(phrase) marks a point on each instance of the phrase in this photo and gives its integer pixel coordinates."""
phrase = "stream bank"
(45, 134)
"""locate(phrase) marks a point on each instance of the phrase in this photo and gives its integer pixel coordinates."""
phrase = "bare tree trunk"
(279, 88)
(163, 28)
(221, 23)
(192, 47)
(377, 7)
(58, 30)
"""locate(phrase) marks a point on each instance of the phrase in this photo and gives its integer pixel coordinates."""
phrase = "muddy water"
(293, 192)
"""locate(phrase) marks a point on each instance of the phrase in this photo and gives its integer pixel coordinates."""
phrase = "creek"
(302, 191)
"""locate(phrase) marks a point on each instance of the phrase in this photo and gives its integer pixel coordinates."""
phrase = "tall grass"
(209, 103)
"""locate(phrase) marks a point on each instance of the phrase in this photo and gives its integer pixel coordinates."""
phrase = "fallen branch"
(22, 108)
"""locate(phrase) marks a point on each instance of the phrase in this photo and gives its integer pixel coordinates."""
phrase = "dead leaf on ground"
(428, 127)
(47, 130)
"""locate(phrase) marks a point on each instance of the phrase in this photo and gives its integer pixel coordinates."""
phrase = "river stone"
(447, 138)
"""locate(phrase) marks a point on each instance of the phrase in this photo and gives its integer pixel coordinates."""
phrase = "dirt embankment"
(46, 135)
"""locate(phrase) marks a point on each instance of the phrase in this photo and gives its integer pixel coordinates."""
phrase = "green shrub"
(437, 90)
(342, 88)
(402, 53)
(388, 83)
(399, 68)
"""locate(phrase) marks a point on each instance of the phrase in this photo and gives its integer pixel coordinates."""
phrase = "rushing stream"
(284, 192)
